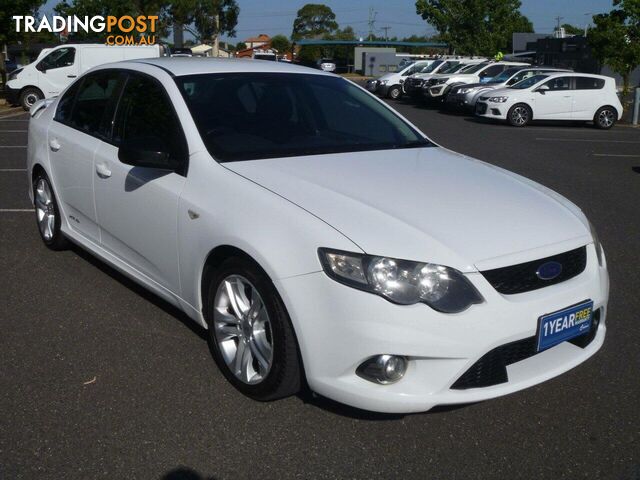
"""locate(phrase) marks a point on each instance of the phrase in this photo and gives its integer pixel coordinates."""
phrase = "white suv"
(439, 85)
(413, 85)
(391, 84)
(560, 96)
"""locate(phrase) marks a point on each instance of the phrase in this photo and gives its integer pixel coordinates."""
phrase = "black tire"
(519, 115)
(56, 240)
(285, 375)
(394, 92)
(29, 96)
(605, 118)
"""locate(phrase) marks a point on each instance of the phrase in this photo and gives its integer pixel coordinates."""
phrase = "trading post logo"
(125, 30)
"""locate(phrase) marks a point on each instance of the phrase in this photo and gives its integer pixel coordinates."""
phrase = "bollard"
(636, 106)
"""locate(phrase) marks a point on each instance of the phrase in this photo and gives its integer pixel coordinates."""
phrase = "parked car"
(51, 74)
(390, 85)
(439, 85)
(181, 52)
(413, 85)
(327, 65)
(557, 96)
(465, 96)
(309, 245)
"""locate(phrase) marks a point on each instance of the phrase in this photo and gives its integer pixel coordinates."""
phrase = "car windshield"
(451, 67)
(432, 67)
(528, 82)
(249, 116)
(504, 76)
(475, 68)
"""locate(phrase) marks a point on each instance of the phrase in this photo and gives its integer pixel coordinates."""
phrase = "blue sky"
(276, 16)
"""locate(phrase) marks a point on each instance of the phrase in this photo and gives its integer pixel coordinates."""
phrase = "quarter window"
(146, 119)
(63, 57)
(589, 83)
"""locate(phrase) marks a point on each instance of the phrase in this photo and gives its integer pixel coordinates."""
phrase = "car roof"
(577, 74)
(180, 66)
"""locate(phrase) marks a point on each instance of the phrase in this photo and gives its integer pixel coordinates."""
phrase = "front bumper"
(339, 327)
(496, 111)
(436, 91)
(461, 101)
(12, 95)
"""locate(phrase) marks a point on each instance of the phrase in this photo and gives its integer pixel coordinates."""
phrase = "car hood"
(427, 204)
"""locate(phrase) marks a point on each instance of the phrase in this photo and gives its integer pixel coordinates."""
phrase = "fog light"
(383, 369)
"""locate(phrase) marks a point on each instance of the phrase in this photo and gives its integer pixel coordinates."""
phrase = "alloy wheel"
(606, 118)
(242, 330)
(30, 99)
(45, 210)
(520, 116)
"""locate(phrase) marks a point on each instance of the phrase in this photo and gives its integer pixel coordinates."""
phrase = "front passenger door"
(555, 102)
(137, 206)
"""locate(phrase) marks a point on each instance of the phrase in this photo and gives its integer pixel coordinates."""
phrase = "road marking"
(614, 155)
(13, 169)
(590, 140)
(14, 115)
(12, 210)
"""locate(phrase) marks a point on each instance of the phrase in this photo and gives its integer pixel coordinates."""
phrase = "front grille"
(481, 108)
(523, 277)
(491, 369)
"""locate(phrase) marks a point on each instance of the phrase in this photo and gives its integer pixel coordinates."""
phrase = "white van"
(390, 84)
(50, 74)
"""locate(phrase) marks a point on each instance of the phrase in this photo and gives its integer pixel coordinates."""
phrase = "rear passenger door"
(82, 119)
(587, 97)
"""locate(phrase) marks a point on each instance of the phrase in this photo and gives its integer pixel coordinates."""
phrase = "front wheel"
(605, 118)
(47, 213)
(250, 333)
(519, 115)
(395, 92)
(29, 96)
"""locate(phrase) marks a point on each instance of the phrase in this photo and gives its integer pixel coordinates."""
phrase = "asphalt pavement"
(100, 379)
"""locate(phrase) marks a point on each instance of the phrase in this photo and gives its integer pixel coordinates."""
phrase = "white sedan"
(555, 96)
(317, 234)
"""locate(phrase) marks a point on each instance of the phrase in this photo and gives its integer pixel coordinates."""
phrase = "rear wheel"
(29, 96)
(394, 92)
(250, 333)
(605, 118)
(519, 115)
(47, 213)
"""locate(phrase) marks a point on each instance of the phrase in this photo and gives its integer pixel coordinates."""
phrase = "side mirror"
(41, 68)
(542, 89)
(147, 153)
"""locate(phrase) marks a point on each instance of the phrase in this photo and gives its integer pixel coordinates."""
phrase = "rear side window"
(589, 83)
(492, 71)
(93, 109)
(146, 119)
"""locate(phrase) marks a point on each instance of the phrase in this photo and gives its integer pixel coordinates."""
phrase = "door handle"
(72, 76)
(54, 144)
(103, 170)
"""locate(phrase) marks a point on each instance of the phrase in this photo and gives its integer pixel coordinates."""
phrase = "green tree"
(615, 38)
(572, 29)
(8, 34)
(241, 46)
(281, 43)
(475, 27)
(313, 21)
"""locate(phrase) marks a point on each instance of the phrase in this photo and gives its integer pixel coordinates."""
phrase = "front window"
(451, 67)
(476, 68)
(432, 67)
(251, 116)
(62, 57)
(504, 76)
(528, 82)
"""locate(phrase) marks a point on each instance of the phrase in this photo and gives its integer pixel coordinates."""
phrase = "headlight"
(401, 281)
(382, 82)
(498, 99)
(466, 90)
(597, 244)
(13, 75)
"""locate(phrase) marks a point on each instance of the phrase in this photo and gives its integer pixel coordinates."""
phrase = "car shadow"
(185, 473)
(636, 169)
(141, 291)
